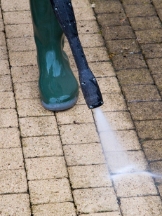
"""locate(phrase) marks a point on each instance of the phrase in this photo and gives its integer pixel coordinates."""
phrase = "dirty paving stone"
(80, 4)
(3, 53)
(15, 204)
(46, 168)
(8, 118)
(138, 93)
(108, 7)
(96, 54)
(87, 27)
(42, 146)
(84, 154)
(160, 189)
(113, 102)
(128, 61)
(31, 107)
(18, 5)
(34, 126)
(133, 157)
(119, 120)
(80, 14)
(17, 17)
(19, 30)
(153, 149)
(50, 191)
(78, 133)
(128, 139)
(77, 114)
(13, 181)
(26, 90)
(156, 167)
(21, 44)
(4, 67)
(95, 200)
(134, 77)
(149, 36)
(24, 74)
(117, 33)
(91, 40)
(140, 10)
(112, 19)
(155, 65)
(57, 209)
(19, 59)
(149, 205)
(139, 185)
(2, 41)
(115, 213)
(135, 2)
(104, 70)
(152, 50)
(108, 85)
(148, 130)
(89, 176)
(157, 3)
(128, 46)
(146, 110)
(1, 26)
(158, 81)
(142, 23)
(11, 159)
(5, 83)
(159, 12)
(11, 138)
(7, 100)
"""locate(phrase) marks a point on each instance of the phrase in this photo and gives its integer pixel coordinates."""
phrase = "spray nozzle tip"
(98, 104)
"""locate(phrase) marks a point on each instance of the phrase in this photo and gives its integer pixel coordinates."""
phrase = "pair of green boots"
(57, 84)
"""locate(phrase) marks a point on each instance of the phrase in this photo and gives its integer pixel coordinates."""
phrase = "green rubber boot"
(57, 84)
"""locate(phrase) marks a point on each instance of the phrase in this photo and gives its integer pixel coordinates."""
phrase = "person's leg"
(57, 84)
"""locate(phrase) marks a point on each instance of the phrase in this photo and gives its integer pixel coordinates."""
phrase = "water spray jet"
(119, 164)
(116, 157)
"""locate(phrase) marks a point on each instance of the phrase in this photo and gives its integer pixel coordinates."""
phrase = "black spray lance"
(65, 15)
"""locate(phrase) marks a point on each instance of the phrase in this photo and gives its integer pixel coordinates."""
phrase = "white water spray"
(116, 157)
(118, 161)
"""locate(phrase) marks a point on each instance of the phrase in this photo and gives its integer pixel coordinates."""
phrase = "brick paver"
(52, 163)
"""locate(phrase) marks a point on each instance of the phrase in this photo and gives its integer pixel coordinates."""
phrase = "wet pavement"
(52, 163)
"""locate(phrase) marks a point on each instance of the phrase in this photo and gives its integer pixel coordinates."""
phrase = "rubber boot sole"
(60, 107)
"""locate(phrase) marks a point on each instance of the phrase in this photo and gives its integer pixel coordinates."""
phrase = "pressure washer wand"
(65, 15)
